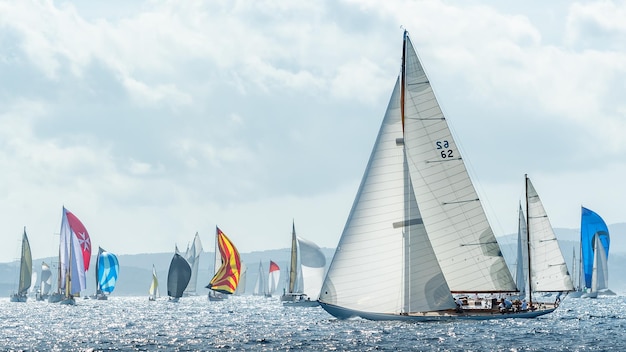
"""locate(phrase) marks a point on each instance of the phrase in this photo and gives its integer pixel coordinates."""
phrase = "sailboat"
(107, 269)
(193, 257)
(178, 277)
(226, 277)
(241, 287)
(74, 257)
(261, 287)
(274, 277)
(594, 243)
(154, 286)
(46, 282)
(306, 272)
(547, 268)
(417, 229)
(26, 272)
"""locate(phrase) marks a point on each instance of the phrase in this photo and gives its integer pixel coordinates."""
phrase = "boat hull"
(18, 298)
(345, 313)
(303, 304)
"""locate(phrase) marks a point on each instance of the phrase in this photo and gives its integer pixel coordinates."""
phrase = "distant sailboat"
(417, 224)
(261, 287)
(241, 287)
(178, 277)
(154, 286)
(226, 278)
(26, 272)
(107, 270)
(193, 257)
(75, 255)
(46, 282)
(594, 242)
(306, 272)
(274, 277)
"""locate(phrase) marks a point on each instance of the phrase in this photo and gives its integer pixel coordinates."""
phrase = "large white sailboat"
(417, 227)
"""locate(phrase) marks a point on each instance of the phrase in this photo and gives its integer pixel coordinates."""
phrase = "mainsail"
(26, 271)
(107, 269)
(193, 257)
(593, 227)
(521, 267)
(178, 276)
(226, 277)
(154, 285)
(260, 286)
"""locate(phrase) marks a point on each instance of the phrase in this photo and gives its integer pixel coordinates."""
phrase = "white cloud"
(153, 121)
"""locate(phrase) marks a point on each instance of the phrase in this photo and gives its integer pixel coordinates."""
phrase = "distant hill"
(136, 269)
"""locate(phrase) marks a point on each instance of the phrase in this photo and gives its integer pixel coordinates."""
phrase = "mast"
(293, 271)
(530, 286)
(402, 78)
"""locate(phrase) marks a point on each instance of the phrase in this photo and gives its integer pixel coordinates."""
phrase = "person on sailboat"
(524, 306)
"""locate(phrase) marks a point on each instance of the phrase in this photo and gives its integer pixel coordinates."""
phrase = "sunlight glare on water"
(262, 324)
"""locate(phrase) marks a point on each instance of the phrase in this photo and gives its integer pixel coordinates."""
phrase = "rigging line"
(461, 201)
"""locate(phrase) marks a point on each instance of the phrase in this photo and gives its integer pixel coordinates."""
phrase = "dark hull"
(345, 313)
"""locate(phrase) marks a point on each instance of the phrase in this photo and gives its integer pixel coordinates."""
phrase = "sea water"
(248, 323)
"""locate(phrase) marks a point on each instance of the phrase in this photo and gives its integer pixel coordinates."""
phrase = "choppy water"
(261, 324)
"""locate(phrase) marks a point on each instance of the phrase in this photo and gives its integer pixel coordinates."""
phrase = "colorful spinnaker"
(107, 269)
(75, 254)
(226, 277)
(274, 277)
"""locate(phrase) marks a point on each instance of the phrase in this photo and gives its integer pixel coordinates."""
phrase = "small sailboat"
(594, 242)
(417, 224)
(178, 277)
(306, 272)
(26, 272)
(241, 286)
(274, 277)
(193, 257)
(75, 255)
(261, 287)
(153, 291)
(46, 282)
(107, 269)
(226, 277)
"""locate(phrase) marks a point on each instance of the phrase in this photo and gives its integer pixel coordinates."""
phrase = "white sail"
(600, 276)
(521, 267)
(154, 285)
(193, 257)
(260, 286)
(466, 248)
(312, 264)
(548, 269)
(241, 287)
(384, 243)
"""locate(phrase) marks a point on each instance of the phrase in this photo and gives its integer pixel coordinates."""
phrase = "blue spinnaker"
(591, 225)
(108, 269)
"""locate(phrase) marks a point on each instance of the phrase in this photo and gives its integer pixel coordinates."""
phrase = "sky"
(154, 120)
